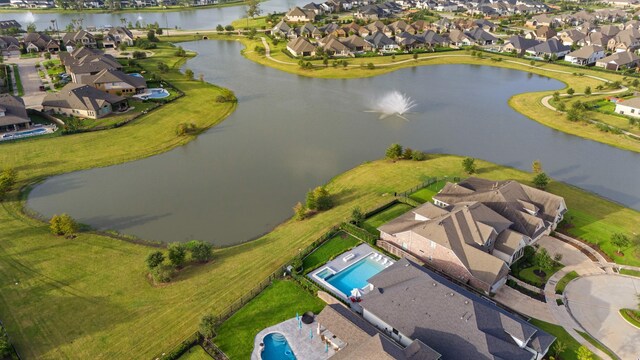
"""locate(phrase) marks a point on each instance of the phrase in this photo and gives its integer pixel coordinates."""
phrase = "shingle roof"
(300, 45)
(80, 97)
(620, 58)
(586, 51)
(522, 43)
(453, 321)
(14, 110)
(111, 76)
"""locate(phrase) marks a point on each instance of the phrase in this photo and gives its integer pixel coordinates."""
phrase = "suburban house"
(532, 212)
(544, 33)
(587, 55)
(408, 302)
(333, 47)
(299, 15)
(467, 241)
(301, 47)
(74, 40)
(37, 42)
(629, 107)
(354, 338)
(459, 38)
(619, 60)
(88, 65)
(549, 49)
(13, 115)
(116, 82)
(9, 46)
(381, 42)
(480, 36)
(571, 37)
(83, 101)
(282, 30)
(116, 36)
(519, 45)
(356, 44)
(10, 24)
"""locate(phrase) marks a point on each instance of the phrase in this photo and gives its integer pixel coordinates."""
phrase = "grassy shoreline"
(528, 104)
(121, 11)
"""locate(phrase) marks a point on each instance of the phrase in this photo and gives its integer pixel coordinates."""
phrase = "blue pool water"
(157, 93)
(136, 75)
(355, 276)
(276, 347)
(24, 134)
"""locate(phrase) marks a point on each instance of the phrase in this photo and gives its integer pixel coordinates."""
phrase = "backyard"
(195, 353)
(426, 194)
(372, 223)
(278, 302)
(333, 247)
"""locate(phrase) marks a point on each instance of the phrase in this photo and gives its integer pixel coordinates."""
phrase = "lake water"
(192, 19)
(291, 133)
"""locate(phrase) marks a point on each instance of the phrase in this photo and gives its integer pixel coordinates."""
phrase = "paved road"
(30, 82)
(594, 302)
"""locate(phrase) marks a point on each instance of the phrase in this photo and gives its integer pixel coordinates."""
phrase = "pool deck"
(338, 264)
(298, 339)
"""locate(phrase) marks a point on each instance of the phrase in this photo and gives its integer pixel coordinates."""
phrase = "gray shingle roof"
(453, 321)
(111, 76)
(14, 110)
(80, 97)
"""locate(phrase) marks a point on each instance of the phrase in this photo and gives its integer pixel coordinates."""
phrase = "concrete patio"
(303, 347)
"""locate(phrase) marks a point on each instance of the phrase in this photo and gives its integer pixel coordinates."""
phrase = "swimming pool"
(22, 134)
(276, 347)
(136, 75)
(355, 276)
(153, 93)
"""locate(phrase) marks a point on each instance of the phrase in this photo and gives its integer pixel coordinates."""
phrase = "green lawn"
(30, 55)
(595, 343)
(630, 272)
(562, 335)
(632, 316)
(333, 247)
(426, 194)
(18, 80)
(371, 224)
(527, 275)
(195, 353)
(562, 283)
(278, 302)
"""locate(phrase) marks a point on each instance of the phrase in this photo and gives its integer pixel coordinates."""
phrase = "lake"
(192, 19)
(291, 133)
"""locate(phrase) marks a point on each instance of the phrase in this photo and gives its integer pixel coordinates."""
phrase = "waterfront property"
(628, 107)
(13, 115)
(116, 82)
(83, 101)
(350, 271)
(289, 340)
(409, 303)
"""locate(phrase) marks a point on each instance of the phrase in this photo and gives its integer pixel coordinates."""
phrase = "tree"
(558, 348)
(415, 56)
(154, 259)
(151, 36)
(536, 167)
(584, 353)
(189, 74)
(47, 55)
(177, 254)
(63, 225)
(561, 106)
(299, 211)
(587, 90)
(620, 240)
(5, 346)
(31, 28)
(162, 67)
(207, 326)
(541, 181)
(323, 198)
(394, 152)
(469, 165)
(556, 96)
(310, 200)
(357, 216)
(201, 251)
(8, 178)
(570, 91)
(253, 9)
(574, 115)
(407, 154)
(543, 260)
(219, 28)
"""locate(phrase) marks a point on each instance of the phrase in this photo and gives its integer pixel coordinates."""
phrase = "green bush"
(63, 225)
(163, 273)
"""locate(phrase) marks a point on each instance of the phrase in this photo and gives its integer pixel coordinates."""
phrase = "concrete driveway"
(30, 81)
(594, 301)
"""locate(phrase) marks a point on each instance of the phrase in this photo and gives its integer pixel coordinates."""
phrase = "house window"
(395, 331)
(433, 244)
(404, 245)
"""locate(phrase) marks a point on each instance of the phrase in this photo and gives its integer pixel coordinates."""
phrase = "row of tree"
(178, 255)
(316, 200)
(397, 152)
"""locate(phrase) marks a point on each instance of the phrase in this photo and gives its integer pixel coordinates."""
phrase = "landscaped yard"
(595, 343)
(195, 353)
(277, 303)
(632, 316)
(136, 107)
(531, 275)
(562, 335)
(562, 283)
(333, 247)
(426, 194)
(372, 223)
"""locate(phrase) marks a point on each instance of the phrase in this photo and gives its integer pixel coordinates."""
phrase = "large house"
(467, 241)
(116, 82)
(550, 48)
(532, 212)
(409, 303)
(9, 46)
(301, 47)
(75, 40)
(83, 101)
(37, 42)
(116, 36)
(587, 55)
(619, 61)
(85, 62)
(300, 15)
(13, 115)
(519, 45)
(629, 107)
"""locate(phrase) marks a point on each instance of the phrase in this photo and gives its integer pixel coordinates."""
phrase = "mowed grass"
(195, 353)
(562, 283)
(426, 194)
(528, 275)
(89, 298)
(595, 343)
(277, 303)
(561, 334)
(333, 247)
(372, 223)
(635, 273)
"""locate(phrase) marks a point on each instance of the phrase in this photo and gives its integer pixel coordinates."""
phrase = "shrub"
(323, 198)
(189, 74)
(541, 180)
(177, 254)
(63, 225)
(260, 50)
(47, 55)
(229, 28)
(570, 91)
(469, 165)
(418, 156)
(299, 212)
(394, 152)
(227, 96)
(163, 273)
(186, 129)
(180, 52)
(207, 326)
(139, 54)
(201, 252)
(219, 28)
(357, 216)
(8, 178)
(371, 66)
(154, 259)
(407, 154)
